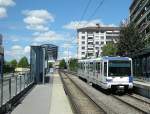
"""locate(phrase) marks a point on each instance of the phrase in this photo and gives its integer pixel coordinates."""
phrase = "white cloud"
(27, 49)
(37, 19)
(6, 3)
(47, 36)
(3, 12)
(3, 7)
(41, 14)
(37, 27)
(17, 51)
(16, 47)
(80, 24)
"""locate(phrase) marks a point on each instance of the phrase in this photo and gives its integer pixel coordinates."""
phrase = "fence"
(10, 87)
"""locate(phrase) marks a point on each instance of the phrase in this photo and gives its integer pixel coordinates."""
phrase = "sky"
(34, 22)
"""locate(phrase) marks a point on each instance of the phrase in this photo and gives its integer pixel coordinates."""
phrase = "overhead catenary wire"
(84, 12)
(95, 11)
(91, 16)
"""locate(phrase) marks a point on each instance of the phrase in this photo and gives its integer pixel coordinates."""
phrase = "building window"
(97, 48)
(83, 47)
(109, 37)
(90, 38)
(102, 37)
(102, 43)
(90, 32)
(83, 37)
(90, 43)
(97, 43)
(90, 54)
(102, 31)
(83, 53)
(83, 32)
(108, 42)
(90, 48)
(83, 42)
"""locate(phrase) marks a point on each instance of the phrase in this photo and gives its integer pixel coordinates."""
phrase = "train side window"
(98, 67)
(91, 66)
(105, 68)
(148, 64)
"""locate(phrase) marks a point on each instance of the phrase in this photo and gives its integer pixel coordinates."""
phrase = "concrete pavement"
(59, 103)
(45, 99)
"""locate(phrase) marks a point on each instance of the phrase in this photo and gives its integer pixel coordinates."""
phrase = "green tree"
(13, 63)
(62, 64)
(23, 62)
(73, 64)
(109, 49)
(130, 40)
(50, 64)
(7, 68)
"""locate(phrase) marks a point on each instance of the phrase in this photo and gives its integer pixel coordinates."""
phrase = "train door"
(91, 72)
(94, 72)
(104, 71)
(88, 68)
(97, 71)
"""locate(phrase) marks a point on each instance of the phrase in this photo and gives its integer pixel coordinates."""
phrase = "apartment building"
(92, 39)
(140, 15)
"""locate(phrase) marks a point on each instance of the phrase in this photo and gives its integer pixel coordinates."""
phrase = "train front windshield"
(119, 68)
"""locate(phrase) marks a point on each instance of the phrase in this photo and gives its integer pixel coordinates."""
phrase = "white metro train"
(111, 73)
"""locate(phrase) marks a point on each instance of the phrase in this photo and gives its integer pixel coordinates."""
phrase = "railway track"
(140, 98)
(137, 104)
(81, 103)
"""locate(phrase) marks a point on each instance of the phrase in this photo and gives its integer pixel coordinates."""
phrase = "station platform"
(142, 88)
(47, 98)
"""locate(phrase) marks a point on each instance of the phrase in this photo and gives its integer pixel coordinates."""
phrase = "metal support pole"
(24, 80)
(27, 80)
(16, 85)
(1, 92)
(9, 88)
(43, 65)
(20, 83)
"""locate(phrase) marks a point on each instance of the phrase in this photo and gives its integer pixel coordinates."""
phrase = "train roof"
(116, 58)
(106, 58)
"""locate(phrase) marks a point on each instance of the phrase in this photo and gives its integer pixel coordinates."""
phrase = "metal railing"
(10, 87)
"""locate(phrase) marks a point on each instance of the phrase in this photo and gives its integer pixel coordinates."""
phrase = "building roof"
(52, 50)
(99, 28)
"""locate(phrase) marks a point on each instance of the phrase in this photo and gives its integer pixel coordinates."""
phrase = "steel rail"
(86, 94)
(140, 110)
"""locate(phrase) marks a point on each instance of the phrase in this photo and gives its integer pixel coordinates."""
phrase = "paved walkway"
(59, 103)
(45, 99)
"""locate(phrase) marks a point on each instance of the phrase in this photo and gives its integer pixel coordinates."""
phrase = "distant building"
(92, 39)
(140, 15)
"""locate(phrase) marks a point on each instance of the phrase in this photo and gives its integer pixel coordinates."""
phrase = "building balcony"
(144, 16)
(144, 26)
(139, 10)
(90, 40)
(90, 35)
(90, 49)
(134, 6)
